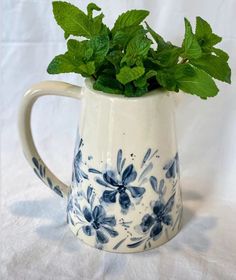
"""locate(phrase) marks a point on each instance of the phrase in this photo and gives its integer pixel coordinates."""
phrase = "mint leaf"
(108, 84)
(100, 46)
(128, 74)
(62, 63)
(167, 80)
(206, 38)
(115, 57)
(168, 57)
(81, 51)
(161, 44)
(190, 44)
(132, 91)
(129, 18)
(71, 19)
(142, 81)
(87, 69)
(123, 36)
(214, 66)
(222, 54)
(195, 81)
(90, 8)
(137, 48)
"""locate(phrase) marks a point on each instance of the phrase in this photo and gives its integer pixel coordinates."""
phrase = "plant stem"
(184, 60)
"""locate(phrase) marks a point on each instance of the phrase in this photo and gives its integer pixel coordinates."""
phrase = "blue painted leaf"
(146, 171)
(49, 182)
(119, 160)
(162, 188)
(93, 170)
(154, 183)
(41, 170)
(136, 244)
(146, 156)
(58, 191)
(119, 243)
(89, 193)
(170, 203)
(35, 162)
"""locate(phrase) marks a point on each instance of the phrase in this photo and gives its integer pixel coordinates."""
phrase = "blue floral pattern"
(120, 182)
(93, 220)
(40, 171)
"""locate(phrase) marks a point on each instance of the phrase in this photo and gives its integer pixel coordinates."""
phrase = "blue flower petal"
(147, 222)
(124, 200)
(156, 231)
(158, 208)
(88, 230)
(136, 191)
(167, 220)
(109, 196)
(101, 237)
(87, 214)
(129, 175)
(111, 232)
(98, 213)
(110, 221)
(110, 178)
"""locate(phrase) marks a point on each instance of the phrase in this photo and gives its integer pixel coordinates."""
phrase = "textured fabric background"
(35, 240)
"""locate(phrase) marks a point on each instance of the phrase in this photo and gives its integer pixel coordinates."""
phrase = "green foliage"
(131, 58)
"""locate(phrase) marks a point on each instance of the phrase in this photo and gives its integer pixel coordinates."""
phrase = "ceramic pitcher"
(125, 193)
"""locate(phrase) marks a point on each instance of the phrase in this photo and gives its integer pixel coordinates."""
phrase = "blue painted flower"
(172, 167)
(99, 224)
(161, 215)
(120, 185)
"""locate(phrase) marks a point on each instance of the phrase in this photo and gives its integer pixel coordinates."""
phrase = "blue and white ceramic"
(125, 193)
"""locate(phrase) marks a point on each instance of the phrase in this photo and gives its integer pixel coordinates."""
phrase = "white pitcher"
(125, 194)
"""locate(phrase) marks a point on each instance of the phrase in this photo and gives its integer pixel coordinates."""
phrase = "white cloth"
(36, 243)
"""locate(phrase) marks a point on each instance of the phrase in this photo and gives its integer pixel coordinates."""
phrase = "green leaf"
(71, 19)
(80, 50)
(190, 44)
(222, 54)
(166, 79)
(137, 48)
(195, 81)
(90, 8)
(100, 46)
(115, 58)
(108, 84)
(128, 74)
(142, 81)
(161, 44)
(87, 69)
(62, 63)
(129, 18)
(214, 66)
(168, 57)
(123, 36)
(132, 91)
(206, 38)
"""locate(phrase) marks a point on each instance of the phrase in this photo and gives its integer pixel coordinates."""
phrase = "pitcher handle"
(29, 149)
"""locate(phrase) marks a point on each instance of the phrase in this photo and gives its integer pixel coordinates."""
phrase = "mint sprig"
(132, 59)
